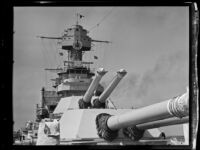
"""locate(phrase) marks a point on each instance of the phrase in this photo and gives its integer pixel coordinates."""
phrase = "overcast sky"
(151, 43)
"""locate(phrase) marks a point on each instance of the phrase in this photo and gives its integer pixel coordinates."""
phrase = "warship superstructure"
(75, 76)
(79, 110)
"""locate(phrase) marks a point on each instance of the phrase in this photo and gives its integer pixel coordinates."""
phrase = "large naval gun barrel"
(108, 125)
(163, 122)
(100, 101)
(106, 93)
(85, 101)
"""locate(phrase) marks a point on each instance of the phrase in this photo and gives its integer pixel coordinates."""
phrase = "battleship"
(79, 111)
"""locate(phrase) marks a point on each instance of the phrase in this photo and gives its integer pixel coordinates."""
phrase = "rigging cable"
(44, 52)
(101, 20)
(100, 47)
(50, 61)
(45, 78)
(96, 54)
(47, 54)
(57, 53)
(45, 62)
(104, 56)
(81, 12)
(43, 57)
(53, 52)
(85, 10)
(99, 54)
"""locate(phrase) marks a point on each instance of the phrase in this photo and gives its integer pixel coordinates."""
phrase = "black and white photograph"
(101, 75)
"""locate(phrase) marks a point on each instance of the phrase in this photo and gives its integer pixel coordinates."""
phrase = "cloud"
(168, 78)
(168, 69)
